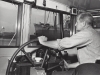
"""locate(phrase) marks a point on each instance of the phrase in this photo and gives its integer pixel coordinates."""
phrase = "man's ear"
(84, 24)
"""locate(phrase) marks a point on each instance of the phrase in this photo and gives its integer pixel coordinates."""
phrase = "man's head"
(83, 20)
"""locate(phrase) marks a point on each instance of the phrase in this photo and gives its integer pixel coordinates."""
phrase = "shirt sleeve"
(79, 39)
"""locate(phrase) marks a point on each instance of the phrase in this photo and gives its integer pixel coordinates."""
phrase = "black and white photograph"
(49, 37)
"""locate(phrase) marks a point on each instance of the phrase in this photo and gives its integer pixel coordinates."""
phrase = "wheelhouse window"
(8, 17)
(44, 24)
(47, 23)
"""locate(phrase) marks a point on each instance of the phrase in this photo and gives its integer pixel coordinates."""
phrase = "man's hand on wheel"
(42, 39)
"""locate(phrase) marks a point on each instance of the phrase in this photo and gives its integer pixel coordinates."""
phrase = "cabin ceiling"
(92, 6)
(82, 4)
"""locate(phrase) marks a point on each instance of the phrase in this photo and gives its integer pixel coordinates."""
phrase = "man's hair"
(87, 17)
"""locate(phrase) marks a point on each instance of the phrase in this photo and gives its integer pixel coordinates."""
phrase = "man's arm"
(51, 44)
(77, 40)
(72, 65)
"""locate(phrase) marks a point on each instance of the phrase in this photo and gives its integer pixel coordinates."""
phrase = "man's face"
(79, 25)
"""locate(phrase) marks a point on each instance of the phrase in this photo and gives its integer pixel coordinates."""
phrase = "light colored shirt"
(89, 38)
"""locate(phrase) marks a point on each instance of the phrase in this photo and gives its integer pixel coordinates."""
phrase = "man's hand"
(42, 39)
(66, 65)
(52, 44)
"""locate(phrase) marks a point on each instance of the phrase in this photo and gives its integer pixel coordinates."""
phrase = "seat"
(87, 69)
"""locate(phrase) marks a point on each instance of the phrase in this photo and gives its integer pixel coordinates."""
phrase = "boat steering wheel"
(21, 48)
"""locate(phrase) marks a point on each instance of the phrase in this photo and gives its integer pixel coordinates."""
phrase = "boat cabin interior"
(22, 21)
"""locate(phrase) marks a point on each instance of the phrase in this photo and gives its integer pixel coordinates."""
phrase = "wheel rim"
(15, 54)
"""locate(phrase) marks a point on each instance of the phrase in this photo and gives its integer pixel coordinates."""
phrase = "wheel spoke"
(28, 57)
